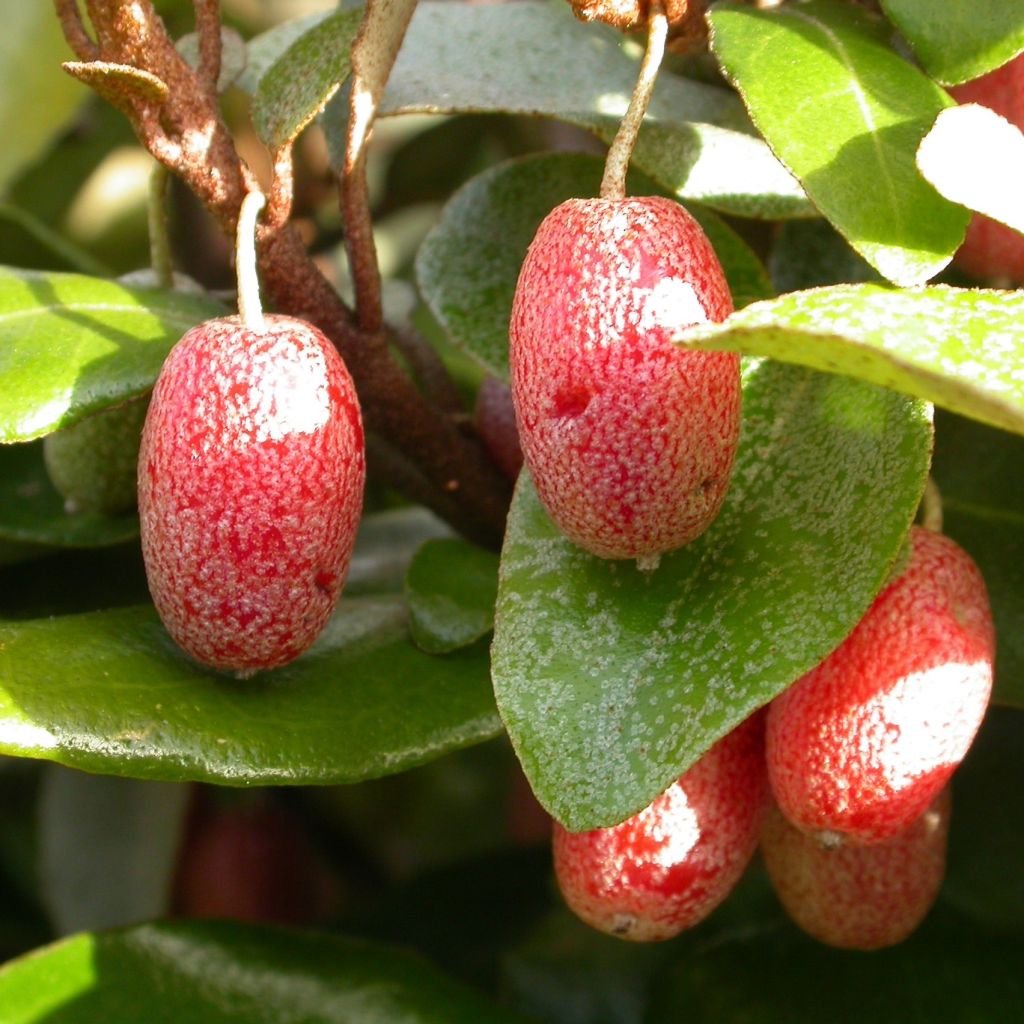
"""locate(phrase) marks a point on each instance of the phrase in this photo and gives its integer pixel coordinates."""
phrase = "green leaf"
(612, 683)
(31, 511)
(110, 692)
(978, 472)
(232, 55)
(975, 157)
(468, 265)
(37, 98)
(264, 50)
(845, 114)
(958, 348)
(71, 345)
(451, 589)
(696, 139)
(297, 86)
(108, 848)
(947, 971)
(958, 40)
(224, 973)
(385, 546)
(811, 253)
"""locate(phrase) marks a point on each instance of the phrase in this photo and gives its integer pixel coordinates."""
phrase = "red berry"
(251, 478)
(992, 251)
(630, 439)
(495, 419)
(863, 743)
(666, 868)
(859, 897)
(252, 862)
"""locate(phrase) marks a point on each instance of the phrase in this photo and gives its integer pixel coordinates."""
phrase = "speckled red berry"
(859, 897)
(861, 745)
(992, 251)
(251, 476)
(666, 868)
(630, 440)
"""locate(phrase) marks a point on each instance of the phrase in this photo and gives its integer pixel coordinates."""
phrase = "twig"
(931, 506)
(74, 30)
(185, 131)
(208, 36)
(428, 369)
(613, 183)
(282, 189)
(159, 243)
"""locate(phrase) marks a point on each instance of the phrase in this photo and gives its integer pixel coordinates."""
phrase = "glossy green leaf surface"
(612, 682)
(957, 40)
(947, 971)
(110, 692)
(108, 848)
(298, 84)
(31, 511)
(959, 348)
(695, 142)
(31, 50)
(451, 589)
(468, 265)
(224, 973)
(845, 114)
(975, 157)
(71, 345)
(978, 471)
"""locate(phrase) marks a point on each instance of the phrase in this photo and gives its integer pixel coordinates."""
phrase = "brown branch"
(428, 369)
(186, 133)
(209, 39)
(282, 189)
(74, 31)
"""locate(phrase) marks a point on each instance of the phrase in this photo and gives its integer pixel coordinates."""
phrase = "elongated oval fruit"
(860, 746)
(666, 868)
(630, 440)
(251, 475)
(859, 897)
(992, 251)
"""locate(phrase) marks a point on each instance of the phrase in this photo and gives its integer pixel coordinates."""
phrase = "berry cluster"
(857, 755)
(630, 441)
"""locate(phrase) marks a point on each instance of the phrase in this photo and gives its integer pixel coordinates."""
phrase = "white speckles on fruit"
(251, 477)
(859, 897)
(630, 440)
(861, 744)
(666, 868)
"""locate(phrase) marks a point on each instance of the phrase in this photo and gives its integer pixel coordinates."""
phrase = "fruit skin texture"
(992, 251)
(251, 475)
(630, 440)
(92, 464)
(665, 869)
(859, 897)
(863, 743)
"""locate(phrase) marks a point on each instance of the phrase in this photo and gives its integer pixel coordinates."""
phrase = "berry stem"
(249, 307)
(159, 243)
(931, 507)
(613, 184)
